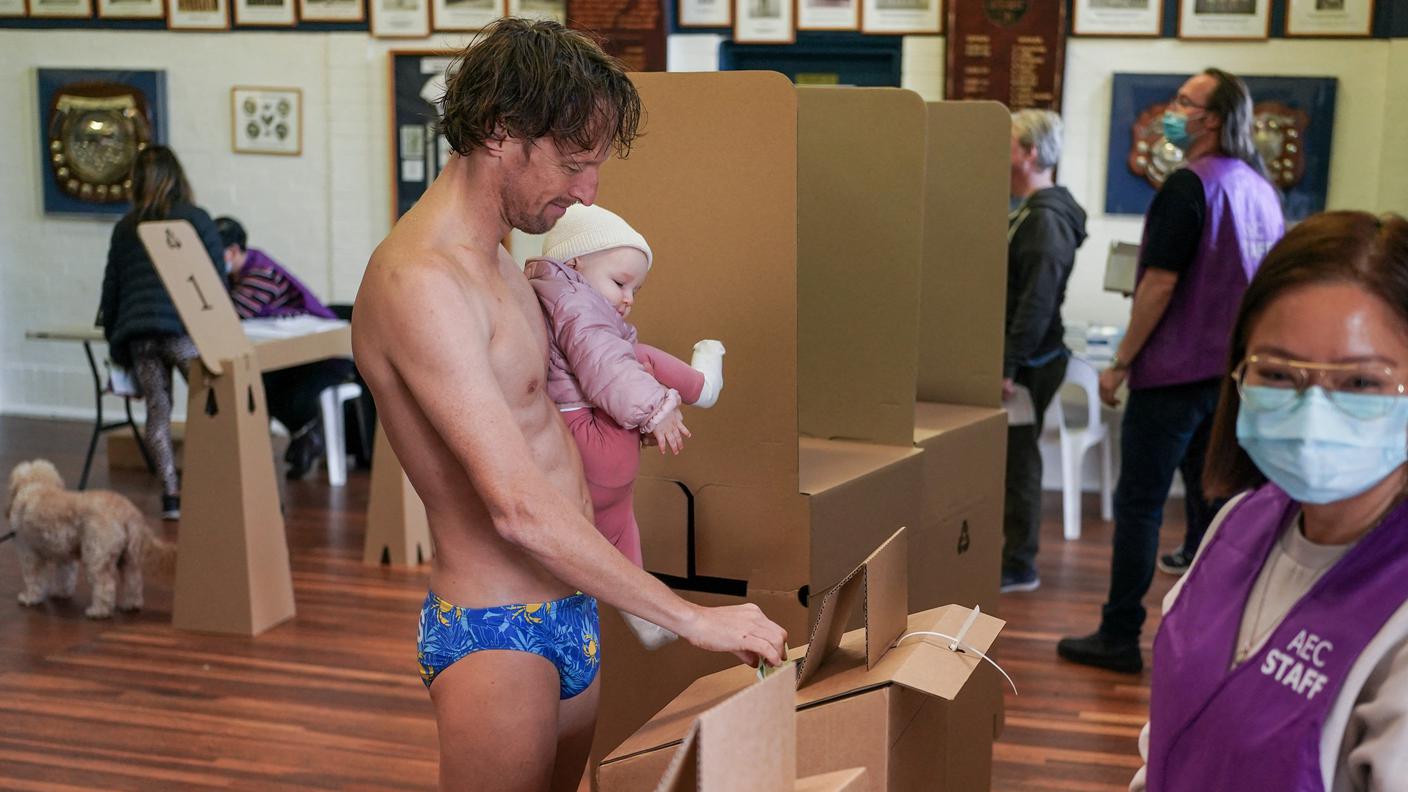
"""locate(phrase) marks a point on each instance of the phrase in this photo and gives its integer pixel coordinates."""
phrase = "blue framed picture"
(92, 122)
(1294, 126)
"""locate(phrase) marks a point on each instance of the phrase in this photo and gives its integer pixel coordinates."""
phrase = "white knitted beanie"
(591, 229)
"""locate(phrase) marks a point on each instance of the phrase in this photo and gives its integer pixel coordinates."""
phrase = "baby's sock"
(709, 360)
(652, 636)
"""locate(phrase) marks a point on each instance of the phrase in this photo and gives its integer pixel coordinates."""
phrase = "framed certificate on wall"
(278, 13)
(764, 22)
(1117, 17)
(828, 14)
(70, 9)
(330, 10)
(197, 15)
(464, 14)
(705, 13)
(901, 16)
(1329, 17)
(1224, 19)
(400, 18)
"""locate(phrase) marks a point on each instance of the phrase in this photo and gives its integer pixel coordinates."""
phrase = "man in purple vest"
(1204, 236)
(261, 289)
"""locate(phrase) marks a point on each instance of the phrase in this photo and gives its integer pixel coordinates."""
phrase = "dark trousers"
(1164, 429)
(1021, 522)
(292, 393)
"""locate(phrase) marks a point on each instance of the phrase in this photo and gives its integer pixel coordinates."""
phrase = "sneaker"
(303, 454)
(1175, 563)
(1020, 581)
(1102, 651)
(170, 507)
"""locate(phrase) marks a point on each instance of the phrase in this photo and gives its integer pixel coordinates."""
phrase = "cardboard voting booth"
(794, 242)
(958, 422)
(232, 567)
(901, 704)
(747, 743)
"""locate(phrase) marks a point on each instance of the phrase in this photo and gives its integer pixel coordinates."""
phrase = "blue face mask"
(1317, 452)
(1176, 130)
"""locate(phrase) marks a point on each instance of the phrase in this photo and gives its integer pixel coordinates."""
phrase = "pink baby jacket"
(591, 352)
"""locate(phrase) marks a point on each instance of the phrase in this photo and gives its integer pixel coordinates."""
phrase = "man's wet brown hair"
(530, 79)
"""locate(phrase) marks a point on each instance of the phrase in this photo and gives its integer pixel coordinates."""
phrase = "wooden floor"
(330, 700)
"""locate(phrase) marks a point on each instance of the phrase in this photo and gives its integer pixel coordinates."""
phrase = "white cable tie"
(966, 648)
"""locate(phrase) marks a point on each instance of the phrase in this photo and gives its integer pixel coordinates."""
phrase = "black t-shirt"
(1175, 223)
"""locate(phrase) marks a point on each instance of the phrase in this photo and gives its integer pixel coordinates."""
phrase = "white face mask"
(1318, 452)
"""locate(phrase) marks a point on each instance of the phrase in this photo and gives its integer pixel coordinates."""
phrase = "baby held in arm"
(613, 391)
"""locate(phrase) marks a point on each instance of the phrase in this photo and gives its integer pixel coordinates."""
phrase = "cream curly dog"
(55, 529)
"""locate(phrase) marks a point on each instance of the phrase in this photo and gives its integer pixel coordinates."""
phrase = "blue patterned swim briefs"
(565, 632)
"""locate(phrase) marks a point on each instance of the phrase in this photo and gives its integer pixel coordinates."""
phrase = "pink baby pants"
(611, 454)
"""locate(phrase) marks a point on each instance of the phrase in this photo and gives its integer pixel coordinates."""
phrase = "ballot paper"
(1020, 409)
(268, 329)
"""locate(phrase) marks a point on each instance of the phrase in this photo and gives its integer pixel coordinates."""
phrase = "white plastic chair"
(334, 429)
(1075, 441)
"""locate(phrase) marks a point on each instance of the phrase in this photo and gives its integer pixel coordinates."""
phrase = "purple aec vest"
(1243, 221)
(310, 304)
(1258, 726)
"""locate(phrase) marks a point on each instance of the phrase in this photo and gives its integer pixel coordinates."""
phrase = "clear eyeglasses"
(1266, 383)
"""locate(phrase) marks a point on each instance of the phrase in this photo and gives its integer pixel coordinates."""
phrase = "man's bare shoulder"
(408, 283)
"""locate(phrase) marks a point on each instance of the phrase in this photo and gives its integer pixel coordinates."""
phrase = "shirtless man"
(450, 338)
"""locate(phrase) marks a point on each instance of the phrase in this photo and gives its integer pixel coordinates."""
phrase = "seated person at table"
(261, 288)
(142, 327)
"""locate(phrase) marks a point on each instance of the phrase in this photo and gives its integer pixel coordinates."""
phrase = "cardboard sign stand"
(232, 563)
(909, 711)
(398, 532)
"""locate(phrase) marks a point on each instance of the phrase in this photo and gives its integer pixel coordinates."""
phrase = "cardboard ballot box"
(908, 711)
(747, 743)
(957, 555)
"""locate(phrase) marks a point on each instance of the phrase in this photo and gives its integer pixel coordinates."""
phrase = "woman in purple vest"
(1282, 660)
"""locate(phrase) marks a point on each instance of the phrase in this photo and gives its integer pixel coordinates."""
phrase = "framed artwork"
(12, 8)
(131, 9)
(764, 22)
(331, 10)
(92, 123)
(72, 9)
(1329, 17)
(464, 14)
(1117, 17)
(400, 18)
(197, 15)
(1224, 19)
(266, 120)
(264, 12)
(555, 10)
(419, 152)
(704, 13)
(1293, 125)
(901, 16)
(829, 14)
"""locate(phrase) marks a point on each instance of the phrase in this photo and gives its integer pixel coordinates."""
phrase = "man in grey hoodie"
(1043, 233)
